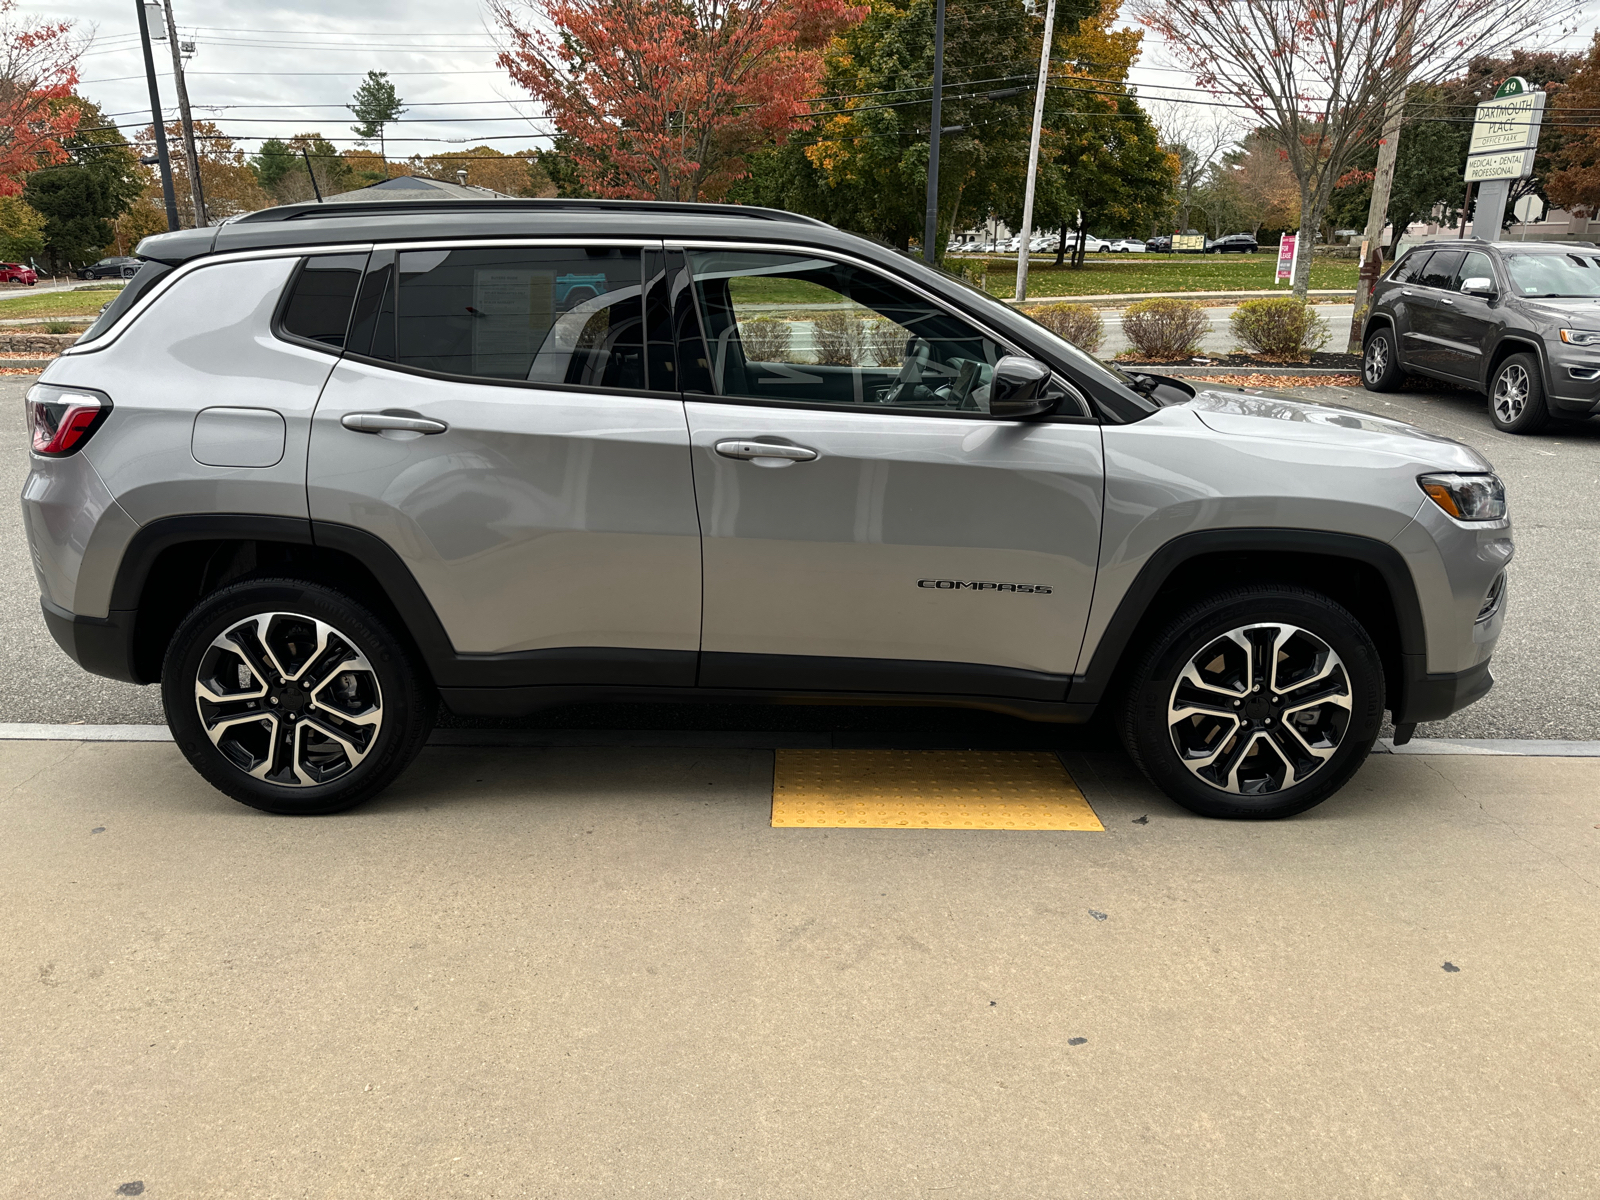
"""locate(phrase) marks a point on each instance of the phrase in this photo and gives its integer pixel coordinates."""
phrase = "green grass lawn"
(1111, 274)
(55, 304)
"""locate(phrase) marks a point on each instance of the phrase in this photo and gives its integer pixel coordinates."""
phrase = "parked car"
(1233, 243)
(117, 267)
(320, 469)
(1516, 320)
(1161, 244)
(18, 273)
(1128, 246)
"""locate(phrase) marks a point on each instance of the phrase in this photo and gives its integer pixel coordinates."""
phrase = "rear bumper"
(100, 645)
(1434, 697)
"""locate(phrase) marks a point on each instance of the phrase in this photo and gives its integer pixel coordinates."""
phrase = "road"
(599, 974)
(1543, 667)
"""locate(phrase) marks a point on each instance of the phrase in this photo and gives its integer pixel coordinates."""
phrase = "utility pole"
(155, 119)
(1033, 151)
(1383, 180)
(930, 224)
(196, 192)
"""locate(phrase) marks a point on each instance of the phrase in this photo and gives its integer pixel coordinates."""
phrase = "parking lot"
(591, 967)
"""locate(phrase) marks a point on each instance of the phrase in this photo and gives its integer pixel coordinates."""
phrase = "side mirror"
(1479, 285)
(1017, 389)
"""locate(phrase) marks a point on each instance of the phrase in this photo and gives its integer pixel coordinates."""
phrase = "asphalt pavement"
(1543, 667)
(601, 974)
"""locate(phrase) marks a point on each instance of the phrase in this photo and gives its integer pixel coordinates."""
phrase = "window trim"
(1009, 345)
(643, 244)
(278, 313)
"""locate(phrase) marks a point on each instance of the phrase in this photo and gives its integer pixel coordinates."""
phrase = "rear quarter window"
(317, 306)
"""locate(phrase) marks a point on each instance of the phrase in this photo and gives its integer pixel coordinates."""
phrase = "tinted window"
(1410, 267)
(554, 315)
(1474, 266)
(318, 308)
(809, 330)
(1441, 269)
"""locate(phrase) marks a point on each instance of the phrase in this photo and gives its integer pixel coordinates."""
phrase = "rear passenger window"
(319, 302)
(1441, 269)
(553, 315)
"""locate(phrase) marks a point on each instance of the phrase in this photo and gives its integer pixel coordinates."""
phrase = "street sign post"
(1505, 135)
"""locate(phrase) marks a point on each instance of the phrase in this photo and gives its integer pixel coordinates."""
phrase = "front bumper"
(1426, 697)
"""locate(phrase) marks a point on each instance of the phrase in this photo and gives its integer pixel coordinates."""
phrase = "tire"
(1212, 651)
(224, 661)
(1380, 361)
(1516, 396)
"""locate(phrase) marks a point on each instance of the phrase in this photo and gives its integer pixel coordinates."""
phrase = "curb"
(1180, 372)
(1122, 300)
(763, 740)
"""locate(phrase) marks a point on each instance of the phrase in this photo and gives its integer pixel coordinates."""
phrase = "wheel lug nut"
(273, 700)
(1236, 703)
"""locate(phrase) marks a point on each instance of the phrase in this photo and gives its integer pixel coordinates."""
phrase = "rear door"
(867, 525)
(1426, 338)
(496, 424)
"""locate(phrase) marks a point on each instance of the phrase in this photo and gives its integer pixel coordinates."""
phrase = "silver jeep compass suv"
(321, 468)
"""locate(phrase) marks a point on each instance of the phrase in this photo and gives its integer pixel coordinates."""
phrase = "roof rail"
(367, 208)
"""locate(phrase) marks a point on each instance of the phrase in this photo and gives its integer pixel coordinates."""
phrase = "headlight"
(1467, 497)
(1581, 337)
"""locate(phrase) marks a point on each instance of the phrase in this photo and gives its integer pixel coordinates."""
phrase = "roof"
(360, 217)
(413, 188)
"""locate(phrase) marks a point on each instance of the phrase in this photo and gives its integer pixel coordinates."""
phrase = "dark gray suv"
(1517, 320)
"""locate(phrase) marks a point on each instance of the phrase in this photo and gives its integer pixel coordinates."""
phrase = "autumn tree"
(1256, 187)
(1318, 77)
(509, 174)
(38, 69)
(1196, 138)
(1574, 181)
(663, 99)
(80, 197)
(230, 186)
(21, 230)
(280, 168)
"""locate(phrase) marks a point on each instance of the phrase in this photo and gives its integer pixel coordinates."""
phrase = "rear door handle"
(748, 450)
(1446, 300)
(379, 422)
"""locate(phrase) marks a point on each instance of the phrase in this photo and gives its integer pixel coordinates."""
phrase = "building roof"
(415, 187)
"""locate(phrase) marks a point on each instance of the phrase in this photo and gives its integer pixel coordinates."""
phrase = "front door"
(866, 525)
(494, 423)
(1425, 336)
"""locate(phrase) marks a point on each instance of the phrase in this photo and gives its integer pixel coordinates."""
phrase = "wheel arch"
(1516, 344)
(1366, 576)
(173, 563)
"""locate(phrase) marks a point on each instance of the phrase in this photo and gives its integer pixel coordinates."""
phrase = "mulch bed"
(1277, 381)
(1349, 362)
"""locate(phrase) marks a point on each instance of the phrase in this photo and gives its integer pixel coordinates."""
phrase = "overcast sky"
(264, 70)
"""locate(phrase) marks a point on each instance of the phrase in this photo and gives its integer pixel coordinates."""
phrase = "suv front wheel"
(1516, 396)
(292, 698)
(1257, 703)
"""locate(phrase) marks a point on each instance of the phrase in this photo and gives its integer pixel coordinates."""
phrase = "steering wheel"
(912, 369)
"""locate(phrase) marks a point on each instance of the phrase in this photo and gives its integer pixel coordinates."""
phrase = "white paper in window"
(513, 309)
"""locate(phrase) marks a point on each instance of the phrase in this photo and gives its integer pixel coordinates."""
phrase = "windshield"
(1079, 358)
(1554, 274)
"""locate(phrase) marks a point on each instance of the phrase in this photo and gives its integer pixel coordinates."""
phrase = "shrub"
(976, 273)
(886, 344)
(838, 336)
(766, 339)
(1080, 324)
(1165, 328)
(1281, 328)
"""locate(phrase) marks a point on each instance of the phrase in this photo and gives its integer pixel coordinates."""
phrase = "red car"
(17, 273)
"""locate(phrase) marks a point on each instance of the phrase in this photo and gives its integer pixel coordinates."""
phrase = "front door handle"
(400, 422)
(750, 450)
(1446, 300)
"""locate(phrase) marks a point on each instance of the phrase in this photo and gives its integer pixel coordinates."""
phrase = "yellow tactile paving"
(927, 789)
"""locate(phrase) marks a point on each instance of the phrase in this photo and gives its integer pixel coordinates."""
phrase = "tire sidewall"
(1534, 414)
(1392, 374)
(407, 704)
(1149, 738)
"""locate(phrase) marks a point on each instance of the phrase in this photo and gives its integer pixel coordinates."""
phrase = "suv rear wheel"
(1257, 703)
(1380, 365)
(292, 698)
(1516, 396)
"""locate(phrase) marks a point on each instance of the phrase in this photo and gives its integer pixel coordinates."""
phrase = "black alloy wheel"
(293, 698)
(1258, 703)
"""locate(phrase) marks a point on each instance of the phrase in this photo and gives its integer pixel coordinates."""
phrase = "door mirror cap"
(1018, 388)
(1479, 285)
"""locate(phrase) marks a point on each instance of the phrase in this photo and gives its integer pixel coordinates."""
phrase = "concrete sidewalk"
(598, 973)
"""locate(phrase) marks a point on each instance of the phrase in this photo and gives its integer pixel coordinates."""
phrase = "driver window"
(813, 331)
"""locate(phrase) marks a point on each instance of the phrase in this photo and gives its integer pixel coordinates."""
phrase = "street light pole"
(156, 121)
(1033, 152)
(196, 192)
(930, 224)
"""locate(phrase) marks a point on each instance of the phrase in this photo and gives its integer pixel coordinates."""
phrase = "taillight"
(64, 418)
